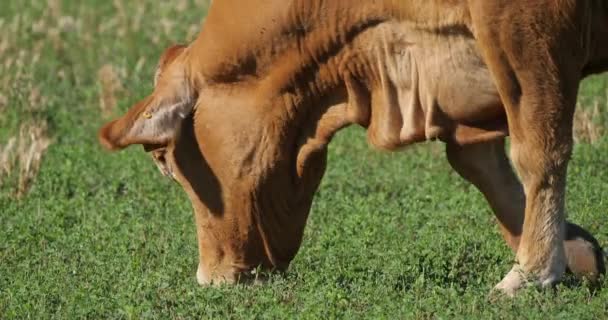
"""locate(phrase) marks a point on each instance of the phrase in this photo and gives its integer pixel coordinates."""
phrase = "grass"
(97, 235)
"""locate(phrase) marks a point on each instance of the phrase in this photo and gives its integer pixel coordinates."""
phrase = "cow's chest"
(436, 83)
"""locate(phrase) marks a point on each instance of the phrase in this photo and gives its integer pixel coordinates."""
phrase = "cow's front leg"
(487, 167)
(537, 71)
(541, 157)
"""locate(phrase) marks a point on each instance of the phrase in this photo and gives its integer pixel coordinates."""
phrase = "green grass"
(105, 236)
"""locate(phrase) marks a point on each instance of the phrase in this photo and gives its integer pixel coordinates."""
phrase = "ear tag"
(147, 115)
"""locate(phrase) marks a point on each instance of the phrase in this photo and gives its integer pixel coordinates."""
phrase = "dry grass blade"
(3, 103)
(110, 85)
(6, 161)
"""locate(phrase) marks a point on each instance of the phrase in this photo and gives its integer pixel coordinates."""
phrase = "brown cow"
(243, 115)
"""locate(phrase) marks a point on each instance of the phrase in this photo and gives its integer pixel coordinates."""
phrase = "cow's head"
(248, 160)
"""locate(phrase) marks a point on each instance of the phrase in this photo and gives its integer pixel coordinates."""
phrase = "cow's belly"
(438, 87)
(454, 79)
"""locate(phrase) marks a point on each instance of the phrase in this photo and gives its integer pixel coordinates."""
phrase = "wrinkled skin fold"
(241, 118)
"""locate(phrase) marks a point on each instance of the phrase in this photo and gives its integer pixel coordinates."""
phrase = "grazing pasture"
(88, 234)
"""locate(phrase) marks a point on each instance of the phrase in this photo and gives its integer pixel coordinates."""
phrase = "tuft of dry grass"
(588, 127)
(22, 156)
(23, 147)
(109, 86)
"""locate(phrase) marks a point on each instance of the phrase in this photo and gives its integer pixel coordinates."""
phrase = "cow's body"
(270, 82)
(409, 80)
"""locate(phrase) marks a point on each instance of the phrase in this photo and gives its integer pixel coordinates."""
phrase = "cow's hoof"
(511, 283)
(518, 279)
(583, 254)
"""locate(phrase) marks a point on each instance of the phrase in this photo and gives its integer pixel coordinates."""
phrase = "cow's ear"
(156, 119)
